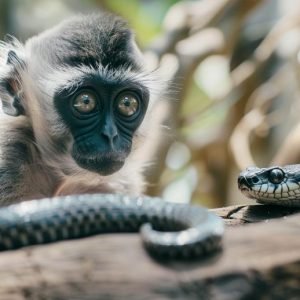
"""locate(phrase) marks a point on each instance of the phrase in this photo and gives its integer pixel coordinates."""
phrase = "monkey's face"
(84, 87)
(103, 116)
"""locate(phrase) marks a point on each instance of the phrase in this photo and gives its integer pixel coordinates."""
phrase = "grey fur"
(32, 162)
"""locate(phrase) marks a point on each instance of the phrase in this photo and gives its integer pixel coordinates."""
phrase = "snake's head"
(263, 183)
(275, 185)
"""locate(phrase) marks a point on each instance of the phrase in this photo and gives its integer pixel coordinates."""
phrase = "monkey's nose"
(110, 133)
(111, 139)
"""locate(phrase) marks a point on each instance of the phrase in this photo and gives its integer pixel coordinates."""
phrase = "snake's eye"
(276, 176)
(254, 179)
(127, 104)
(85, 102)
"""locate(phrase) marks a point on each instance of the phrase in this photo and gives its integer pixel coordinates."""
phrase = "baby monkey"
(77, 111)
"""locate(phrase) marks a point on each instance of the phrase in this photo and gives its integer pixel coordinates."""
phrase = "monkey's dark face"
(103, 116)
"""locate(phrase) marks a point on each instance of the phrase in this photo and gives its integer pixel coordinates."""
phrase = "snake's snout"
(242, 182)
(247, 182)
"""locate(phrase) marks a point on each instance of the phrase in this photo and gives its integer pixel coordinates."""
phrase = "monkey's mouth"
(102, 164)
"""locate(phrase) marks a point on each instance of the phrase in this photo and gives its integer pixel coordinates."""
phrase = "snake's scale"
(176, 230)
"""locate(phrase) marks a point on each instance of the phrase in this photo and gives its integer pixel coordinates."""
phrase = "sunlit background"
(233, 68)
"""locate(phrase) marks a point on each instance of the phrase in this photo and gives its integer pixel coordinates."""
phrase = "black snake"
(273, 185)
(168, 230)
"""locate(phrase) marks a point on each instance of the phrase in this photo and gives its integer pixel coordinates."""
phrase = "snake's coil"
(168, 230)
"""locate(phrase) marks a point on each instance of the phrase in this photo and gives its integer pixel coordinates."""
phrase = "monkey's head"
(83, 87)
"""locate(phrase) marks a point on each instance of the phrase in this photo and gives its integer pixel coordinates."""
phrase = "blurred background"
(233, 73)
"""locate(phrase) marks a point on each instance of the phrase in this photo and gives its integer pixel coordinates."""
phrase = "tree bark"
(258, 261)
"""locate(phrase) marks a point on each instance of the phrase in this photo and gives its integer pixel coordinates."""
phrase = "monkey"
(77, 111)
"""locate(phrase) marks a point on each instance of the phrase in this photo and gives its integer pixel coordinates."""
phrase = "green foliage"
(144, 16)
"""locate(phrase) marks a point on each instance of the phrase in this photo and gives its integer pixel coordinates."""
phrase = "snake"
(279, 185)
(168, 230)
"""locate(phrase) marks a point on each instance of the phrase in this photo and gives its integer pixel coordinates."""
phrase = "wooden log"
(242, 214)
(259, 261)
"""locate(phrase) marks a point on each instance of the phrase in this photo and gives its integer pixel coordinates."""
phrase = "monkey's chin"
(102, 167)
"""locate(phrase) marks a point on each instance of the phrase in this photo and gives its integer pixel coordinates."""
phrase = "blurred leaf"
(145, 17)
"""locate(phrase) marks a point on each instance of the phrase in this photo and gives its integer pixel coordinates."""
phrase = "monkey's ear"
(11, 68)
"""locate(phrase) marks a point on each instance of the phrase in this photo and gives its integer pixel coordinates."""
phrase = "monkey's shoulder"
(20, 164)
(16, 137)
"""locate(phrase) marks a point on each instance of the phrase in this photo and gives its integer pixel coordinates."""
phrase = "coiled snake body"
(49, 220)
(274, 185)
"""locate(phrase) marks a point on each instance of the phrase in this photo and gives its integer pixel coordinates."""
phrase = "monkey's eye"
(127, 104)
(85, 102)
(276, 176)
